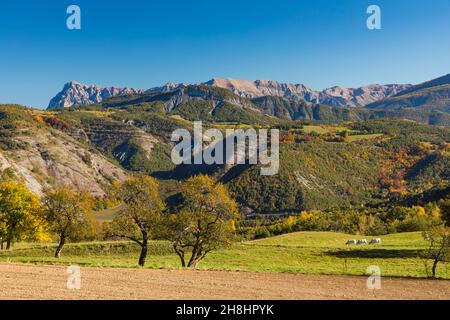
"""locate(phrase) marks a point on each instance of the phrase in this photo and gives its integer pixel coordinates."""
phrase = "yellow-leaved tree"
(69, 215)
(21, 215)
(205, 221)
(141, 212)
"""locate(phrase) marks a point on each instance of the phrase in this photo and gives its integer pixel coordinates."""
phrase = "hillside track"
(26, 281)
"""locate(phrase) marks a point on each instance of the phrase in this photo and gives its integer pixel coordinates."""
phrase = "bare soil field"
(21, 281)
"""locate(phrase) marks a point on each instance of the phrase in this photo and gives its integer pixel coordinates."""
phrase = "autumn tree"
(205, 222)
(438, 239)
(345, 136)
(68, 214)
(21, 215)
(141, 211)
(445, 211)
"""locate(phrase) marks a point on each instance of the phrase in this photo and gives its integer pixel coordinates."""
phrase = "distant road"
(20, 281)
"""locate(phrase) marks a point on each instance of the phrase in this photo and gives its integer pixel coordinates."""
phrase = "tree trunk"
(1, 243)
(433, 269)
(194, 258)
(183, 263)
(180, 254)
(8, 243)
(62, 241)
(192, 263)
(144, 249)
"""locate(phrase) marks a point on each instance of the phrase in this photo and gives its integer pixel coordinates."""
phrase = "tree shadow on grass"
(375, 253)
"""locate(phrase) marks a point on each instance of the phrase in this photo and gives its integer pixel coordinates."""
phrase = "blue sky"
(142, 44)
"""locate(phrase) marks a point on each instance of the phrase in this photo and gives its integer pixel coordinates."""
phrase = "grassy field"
(354, 136)
(107, 214)
(359, 137)
(301, 252)
(319, 129)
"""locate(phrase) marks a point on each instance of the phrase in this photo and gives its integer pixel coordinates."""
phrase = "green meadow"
(399, 255)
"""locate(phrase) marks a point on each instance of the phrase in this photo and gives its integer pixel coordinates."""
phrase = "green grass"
(107, 214)
(317, 129)
(301, 252)
(359, 137)
(324, 129)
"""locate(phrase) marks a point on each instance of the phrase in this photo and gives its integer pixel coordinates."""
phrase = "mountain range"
(77, 94)
(335, 96)
(243, 100)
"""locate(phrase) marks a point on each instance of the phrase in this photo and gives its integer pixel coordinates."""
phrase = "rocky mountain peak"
(77, 94)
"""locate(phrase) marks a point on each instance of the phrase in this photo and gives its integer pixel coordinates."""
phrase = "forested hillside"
(357, 163)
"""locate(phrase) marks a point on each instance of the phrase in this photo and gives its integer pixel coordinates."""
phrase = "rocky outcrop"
(169, 86)
(77, 94)
(52, 158)
(259, 88)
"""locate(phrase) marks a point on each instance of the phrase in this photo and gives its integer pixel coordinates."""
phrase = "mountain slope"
(321, 166)
(444, 80)
(194, 102)
(428, 102)
(45, 157)
(293, 109)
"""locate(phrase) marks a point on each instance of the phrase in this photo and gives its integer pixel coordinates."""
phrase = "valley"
(353, 175)
(174, 150)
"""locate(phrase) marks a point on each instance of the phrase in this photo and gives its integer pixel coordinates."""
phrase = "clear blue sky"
(145, 43)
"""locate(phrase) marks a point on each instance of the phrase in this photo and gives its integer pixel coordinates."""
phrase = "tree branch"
(129, 238)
